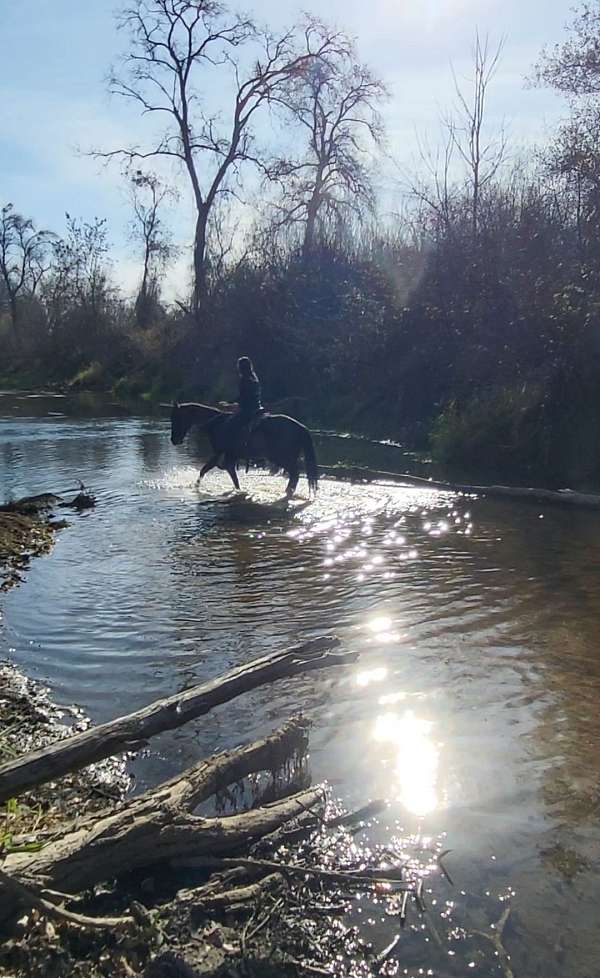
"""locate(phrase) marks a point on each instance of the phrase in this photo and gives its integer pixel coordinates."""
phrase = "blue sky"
(56, 55)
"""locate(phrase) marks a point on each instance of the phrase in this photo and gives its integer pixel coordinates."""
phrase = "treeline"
(469, 325)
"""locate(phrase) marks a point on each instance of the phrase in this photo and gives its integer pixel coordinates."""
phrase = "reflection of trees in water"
(151, 447)
(10, 481)
(551, 573)
(559, 572)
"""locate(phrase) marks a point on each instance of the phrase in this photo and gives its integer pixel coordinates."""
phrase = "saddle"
(256, 421)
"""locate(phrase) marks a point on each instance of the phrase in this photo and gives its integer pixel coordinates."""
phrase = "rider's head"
(245, 367)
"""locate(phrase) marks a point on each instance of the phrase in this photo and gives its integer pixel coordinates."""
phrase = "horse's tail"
(310, 461)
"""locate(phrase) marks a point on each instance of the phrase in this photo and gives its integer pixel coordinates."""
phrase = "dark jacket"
(249, 399)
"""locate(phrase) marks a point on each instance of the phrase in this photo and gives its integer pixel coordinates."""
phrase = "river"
(474, 707)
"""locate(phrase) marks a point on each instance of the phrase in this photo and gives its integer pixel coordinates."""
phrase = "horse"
(283, 440)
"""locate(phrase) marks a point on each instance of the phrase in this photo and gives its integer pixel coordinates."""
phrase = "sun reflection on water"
(416, 759)
(368, 676)
(381, 629)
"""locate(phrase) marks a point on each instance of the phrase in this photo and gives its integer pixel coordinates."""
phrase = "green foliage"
(89, 377)
(500, 430)
(15, 818)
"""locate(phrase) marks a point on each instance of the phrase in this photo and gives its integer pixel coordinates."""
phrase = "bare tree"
(432, 186)
(148, 195)
(22, 257)
(336, 103)
(173, 42)
(482, 156)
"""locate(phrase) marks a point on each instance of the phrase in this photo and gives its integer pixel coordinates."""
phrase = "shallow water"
(473, 707)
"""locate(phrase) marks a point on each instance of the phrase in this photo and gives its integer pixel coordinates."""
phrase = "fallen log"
(157, 826)
(117, 735)
(44, 501)
(162, 837)
(559, 497)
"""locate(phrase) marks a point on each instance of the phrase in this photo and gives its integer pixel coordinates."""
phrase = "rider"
(249, 409)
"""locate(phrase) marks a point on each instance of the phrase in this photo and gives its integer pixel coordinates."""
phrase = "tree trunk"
(14, 311)
(311, 223)
(200, 285)
(559, 497)
(312, 212)
(142, 302)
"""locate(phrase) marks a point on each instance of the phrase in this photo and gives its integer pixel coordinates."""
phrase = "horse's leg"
(230, 467)
(207, 467)
(294, 474)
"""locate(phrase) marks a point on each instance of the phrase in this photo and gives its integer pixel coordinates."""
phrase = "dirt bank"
(30, 720)
(21, 538)
(28, 527)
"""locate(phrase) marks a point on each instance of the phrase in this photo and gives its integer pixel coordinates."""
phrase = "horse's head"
(179, 423)
(184, 416)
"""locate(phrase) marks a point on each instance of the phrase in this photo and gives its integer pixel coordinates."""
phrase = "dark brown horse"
(275, 437)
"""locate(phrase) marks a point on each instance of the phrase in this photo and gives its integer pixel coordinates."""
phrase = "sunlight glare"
(417, 758)
(380, 624)
(368, 676)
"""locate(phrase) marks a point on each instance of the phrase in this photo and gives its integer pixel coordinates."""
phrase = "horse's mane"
(204, 407)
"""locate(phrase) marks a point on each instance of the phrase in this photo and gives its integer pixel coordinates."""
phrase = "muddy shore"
(22, 536)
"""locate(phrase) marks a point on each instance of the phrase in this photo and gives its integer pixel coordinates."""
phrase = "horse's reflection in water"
(244, 508)
(279, 439)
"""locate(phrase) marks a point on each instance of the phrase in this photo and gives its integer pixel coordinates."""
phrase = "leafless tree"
(437, 186)
(432, 186)
(148, 195)
(336, 103)
(23, 252)
(179, 48)
(482, 156)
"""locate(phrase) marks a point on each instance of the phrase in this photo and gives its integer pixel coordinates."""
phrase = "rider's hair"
(245, 366)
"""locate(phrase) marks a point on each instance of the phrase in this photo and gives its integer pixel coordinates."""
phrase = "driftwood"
(102, 741)
(29, 897)
(394, 876)
(44, 501)
(159, 825)
(211, 897)
(559, 497)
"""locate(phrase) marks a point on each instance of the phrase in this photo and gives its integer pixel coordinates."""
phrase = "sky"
(56, 55)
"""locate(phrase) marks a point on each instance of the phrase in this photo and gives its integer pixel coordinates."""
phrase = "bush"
(504, 429)
(90, 377)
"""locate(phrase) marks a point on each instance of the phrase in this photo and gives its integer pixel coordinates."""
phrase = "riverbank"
(28, 527)
(270, 910)
(22, 536)
(345, 429)
(31, 720)
(176, 921)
